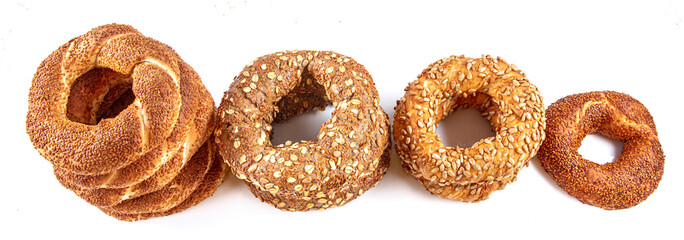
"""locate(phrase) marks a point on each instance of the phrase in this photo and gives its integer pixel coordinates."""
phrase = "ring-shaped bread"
(620, 184)
(351, 152)
(113, 142)
(120, 116)
(504, 96)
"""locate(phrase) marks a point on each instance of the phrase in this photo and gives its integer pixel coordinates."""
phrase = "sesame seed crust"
(212, 179)
(120, 116)
(620, 184)
(350, 154)
(504, 96)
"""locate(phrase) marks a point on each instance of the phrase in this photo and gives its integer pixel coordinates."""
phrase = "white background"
(564, 48)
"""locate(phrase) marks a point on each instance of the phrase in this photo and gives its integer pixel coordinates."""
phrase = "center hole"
(304, 127)
(463, 128)
(600, 149)
(302, 112)
(98, 94)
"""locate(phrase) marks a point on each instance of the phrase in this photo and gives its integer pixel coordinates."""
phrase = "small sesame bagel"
(504, 96)
(620, 184)
(351, 152)
(120, 115)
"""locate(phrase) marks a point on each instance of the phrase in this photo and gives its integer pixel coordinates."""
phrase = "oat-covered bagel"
(620, 184)
(504, 96)
(351, 152)
(119, 115)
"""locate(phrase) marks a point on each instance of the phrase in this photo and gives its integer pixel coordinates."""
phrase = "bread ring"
(501, 93)
(185, 133)
(176, 191)
(114, 142)
(207, 187)
(351, 153)
(620, 184)
(120, 115)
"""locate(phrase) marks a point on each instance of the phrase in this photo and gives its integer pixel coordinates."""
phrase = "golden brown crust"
(173, 193)
(120, 115)
(620, 184)
(207, 187)
(501, 93)
(115, 142)
(192, 128)
(347, 158)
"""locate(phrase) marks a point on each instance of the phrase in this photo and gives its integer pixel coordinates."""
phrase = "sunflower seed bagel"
(504, 96)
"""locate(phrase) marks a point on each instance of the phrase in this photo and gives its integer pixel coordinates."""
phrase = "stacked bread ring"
(351, 153)
(124, 120)
(504, 96)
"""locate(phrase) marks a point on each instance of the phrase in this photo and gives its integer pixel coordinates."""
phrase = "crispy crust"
(346, 160)
(504, 97)
(620, 184)
(206, 188)
(120, 115)
(193, 128)
(115, 142)
(173, 193)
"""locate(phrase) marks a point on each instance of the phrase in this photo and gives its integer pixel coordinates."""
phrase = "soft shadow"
(396, 174)
(536, 164)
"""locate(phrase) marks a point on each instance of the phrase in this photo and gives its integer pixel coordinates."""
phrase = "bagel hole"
(301, 112)
(600, 149)
(463, 128)
(304, 127)
(99, 94)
